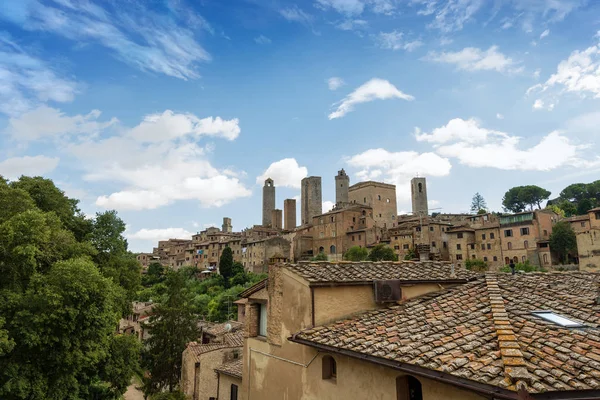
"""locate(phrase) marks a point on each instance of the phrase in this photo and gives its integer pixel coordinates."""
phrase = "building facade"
(381, 197)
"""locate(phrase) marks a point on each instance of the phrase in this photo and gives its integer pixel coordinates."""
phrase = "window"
(524, 231)
(358, 237)
(353, 219)
(483, 236)
(418, 229)
(485, 259)
(432, 244)
(405, 247)
(387, 201)
(458, 257)
(408, 388)
(597, 214)
(262, 320)
(492, 236)
(523, 259)
(234, 392)
(365, 200)
(378, 197)
(526, 244)
(420, 188)
(445, 244)
(583, 224)
(396, 247)
(395, 237)
(557, 319)
(495, 258)
(332, 249)
(458, 246)
(545, 232)
(329, 368)
(353, 238)
(489, 246)
(431, 229)
(509, 245)
(331, 219)
(472, 246)
(508, 233)
(459, 235)
(321, 249)
(482, 246)
(474, 257)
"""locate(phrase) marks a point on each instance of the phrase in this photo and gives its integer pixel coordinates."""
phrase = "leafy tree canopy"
(519, 198)
(226, 265)
(356, 253)
(382, 252)
(563, 240)
(478, 204)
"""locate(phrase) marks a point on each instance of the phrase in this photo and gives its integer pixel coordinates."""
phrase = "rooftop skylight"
(557, 319)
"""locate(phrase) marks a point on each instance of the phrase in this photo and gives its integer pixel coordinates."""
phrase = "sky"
(174, 112)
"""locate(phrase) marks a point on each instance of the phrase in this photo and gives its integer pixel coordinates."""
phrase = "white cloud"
(262, 39)
(394, 41)
(26, 80)
(579, 74)
(159, 162)
(369, 91)
(449, 15)
(544, 34)
(398, 167)
(295, 14)
(536, 74)
(285, 173)
(474, 59)
(49, 122)
(334, 83)
(12, 168)
(538, 104)
(476, 146)
(327, 206)
(154, 235)
(356, 7)
(138, 36)
(499, 116)
(352, 24)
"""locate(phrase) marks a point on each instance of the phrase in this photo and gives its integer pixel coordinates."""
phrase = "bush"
(320, 257)
(410, 255)
(177, 395)
(382, 252)
(524, 267)
(476, 265)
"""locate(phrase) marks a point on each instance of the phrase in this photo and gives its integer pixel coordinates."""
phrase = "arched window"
(523, 258)
(516, 259)
(364, 213)
(506, 261)
(321, 249)
(329, 368)
(408, 388)
(509, 244)
(332, 249)
(526, 244)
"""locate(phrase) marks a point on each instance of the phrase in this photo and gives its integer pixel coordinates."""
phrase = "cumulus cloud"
(262, 39)
(334, 83)
(372, 90)
(47, 122)
(12, 168)
(394, 40)
(578, 74)
(295, 14)
(154, 235)
(26, 81)
(285, 173)
(474, 59)
(476, 146)
(398, 167)
(327, 206)
(157, 42)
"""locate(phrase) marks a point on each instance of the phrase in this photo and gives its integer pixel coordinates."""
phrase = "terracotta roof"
(221, 328)
(366, 271)
(233, 368)
(254, 288)
(484, 331)
(235, 339)
(198, 349)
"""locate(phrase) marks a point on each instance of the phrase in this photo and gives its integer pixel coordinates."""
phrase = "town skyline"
(178, 133)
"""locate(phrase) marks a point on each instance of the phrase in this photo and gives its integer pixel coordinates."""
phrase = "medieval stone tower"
(342, 182)
(289, 214)
(311, 199)
(268, 202)
(418, 187)
(226, 227)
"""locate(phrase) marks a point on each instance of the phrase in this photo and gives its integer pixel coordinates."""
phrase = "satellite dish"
(228, 327)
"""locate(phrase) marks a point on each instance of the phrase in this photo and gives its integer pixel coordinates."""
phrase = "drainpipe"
(218, 384)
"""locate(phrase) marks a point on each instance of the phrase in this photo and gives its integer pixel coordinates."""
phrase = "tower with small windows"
(268, 202)
(419, 196)
(342, 182)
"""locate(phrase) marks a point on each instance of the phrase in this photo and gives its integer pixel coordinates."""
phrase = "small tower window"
(420, 188)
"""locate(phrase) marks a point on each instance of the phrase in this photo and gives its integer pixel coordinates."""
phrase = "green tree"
(226, 265)
(518, 198)
(410, 255)
(122, 363)
(13, 202)
(563, 240)
(382, 252)
(154, 274)
(61, 327)
(320, 257)
(172, 326)
(556, 209)
(107, 234)
(584, 206)
(476, 265)
(478, 204)
(356, 253)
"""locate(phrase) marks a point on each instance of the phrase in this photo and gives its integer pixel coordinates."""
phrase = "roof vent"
(388, 291)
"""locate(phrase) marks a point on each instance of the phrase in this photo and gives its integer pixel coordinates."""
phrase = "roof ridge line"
(515, 370)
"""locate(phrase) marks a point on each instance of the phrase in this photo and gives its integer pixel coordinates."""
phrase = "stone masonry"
(268, 201)
(289, 214)
(312, 200)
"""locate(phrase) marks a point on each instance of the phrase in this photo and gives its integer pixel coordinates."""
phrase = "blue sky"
(173, 112)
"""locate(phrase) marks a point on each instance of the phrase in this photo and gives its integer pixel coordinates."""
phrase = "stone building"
(133, 324)
(289, 214)
(229, 380)
(412, 232)
(257, 253)
(268, 202)
(418, 189)
(145, 259)
(326, 331)
(587, 229)
(342, 185)
(276, 219)
(226, 227)
(311, 199)
(381, 197)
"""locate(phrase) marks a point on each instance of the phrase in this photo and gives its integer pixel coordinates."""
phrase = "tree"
(320, 257)
(107, 234)
(556, 209)
(356, 253)
(122, 363)
(410, 255)
(518, 198)
(226, 264)
(153, 275)
(563, 240)
(478, 204)
(382, 252)
(172, 326)
(476, 265)
(60, 325)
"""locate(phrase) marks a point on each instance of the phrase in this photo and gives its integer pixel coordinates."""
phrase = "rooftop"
(224, 327)
(484, 332)
(233, 368)
(366, 272)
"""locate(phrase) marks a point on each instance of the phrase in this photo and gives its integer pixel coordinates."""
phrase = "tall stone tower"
(418, 187)
(289, 214)
(311, 199)
(227, 228)
(342, 183)
(268, 201)
(276, 217)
